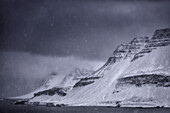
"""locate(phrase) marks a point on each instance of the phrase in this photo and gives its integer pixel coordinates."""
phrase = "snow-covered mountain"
(52, 82)
(137, 74)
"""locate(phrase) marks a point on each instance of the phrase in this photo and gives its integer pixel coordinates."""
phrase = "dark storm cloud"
(91, 29)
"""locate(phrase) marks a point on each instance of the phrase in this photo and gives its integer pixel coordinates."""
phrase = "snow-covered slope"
(53, 81)
(157, 62)
(137, 74)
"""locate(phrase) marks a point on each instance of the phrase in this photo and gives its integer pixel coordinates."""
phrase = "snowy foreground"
(136, 75)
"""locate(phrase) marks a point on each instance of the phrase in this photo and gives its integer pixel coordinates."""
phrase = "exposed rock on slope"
(137, 74)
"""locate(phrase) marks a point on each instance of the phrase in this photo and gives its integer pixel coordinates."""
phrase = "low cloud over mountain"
(22, 72)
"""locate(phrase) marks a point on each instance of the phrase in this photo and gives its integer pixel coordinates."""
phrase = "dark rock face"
(136, 45)
(85, 81)
(21, 102)
(53, 91)
(152, 79)
(161, 33)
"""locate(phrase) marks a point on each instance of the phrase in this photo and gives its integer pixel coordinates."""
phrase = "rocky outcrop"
(86, 81)
(140, 80)
(129, 50)
(161, 34)
(53, 91)
(160, 38)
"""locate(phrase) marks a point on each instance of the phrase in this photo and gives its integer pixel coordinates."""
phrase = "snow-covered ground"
(139, 57)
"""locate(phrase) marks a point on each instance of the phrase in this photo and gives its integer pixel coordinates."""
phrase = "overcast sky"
(41, 36)
(87, 28)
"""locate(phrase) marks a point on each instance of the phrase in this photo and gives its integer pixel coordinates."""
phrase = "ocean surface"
(8, 107)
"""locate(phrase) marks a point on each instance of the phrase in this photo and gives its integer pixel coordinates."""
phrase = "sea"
(7, 106)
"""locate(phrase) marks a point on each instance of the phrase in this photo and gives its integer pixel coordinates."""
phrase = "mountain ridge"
(139, 66)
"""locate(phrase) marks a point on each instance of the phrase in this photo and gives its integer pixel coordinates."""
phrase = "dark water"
(7, 107)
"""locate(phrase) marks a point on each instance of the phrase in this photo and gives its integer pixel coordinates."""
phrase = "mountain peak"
(123, 78)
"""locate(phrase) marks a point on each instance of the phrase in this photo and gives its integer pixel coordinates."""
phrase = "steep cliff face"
(159, 39)
(154, 57)
(123, 51)
(129, 50)
(137, 74)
